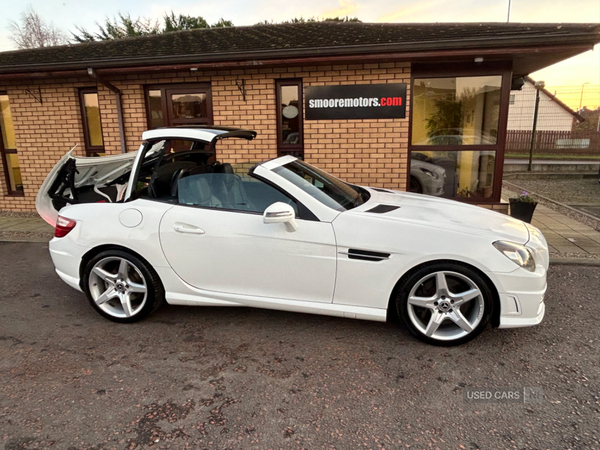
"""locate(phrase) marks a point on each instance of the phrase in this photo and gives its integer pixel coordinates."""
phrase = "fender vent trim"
(366, 255)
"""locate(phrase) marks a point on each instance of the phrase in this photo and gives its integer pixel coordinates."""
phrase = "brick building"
(454, 82)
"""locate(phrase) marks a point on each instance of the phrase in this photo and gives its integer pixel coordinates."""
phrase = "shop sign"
(356, 101)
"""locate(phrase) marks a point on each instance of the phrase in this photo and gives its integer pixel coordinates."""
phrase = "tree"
(313, 19)
(182, 22)
(591, 117)
(124, 27)
(119, 28)
(222, 23)
(33, 32)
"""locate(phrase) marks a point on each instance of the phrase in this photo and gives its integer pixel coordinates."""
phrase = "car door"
(233, 251)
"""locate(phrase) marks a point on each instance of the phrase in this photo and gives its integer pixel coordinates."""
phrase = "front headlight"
(517, 253)
(430, 173)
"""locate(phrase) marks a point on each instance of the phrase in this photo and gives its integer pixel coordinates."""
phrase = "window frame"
(8, 151)
(89, 148)
(457, 70)
(287, 149)
(167, 105)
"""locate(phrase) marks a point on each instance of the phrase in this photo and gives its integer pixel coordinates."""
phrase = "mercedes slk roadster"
(172, 223)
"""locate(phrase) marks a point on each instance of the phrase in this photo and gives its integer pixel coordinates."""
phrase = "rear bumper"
(71, 281)
(67, 259)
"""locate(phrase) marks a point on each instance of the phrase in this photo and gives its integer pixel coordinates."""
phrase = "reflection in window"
(8, 148)
(178, 105)
(289, 122)
(450, 174)
(155, 109)
(189, 106)
(6, 124)
(290, 128)
(90, 111)
(456, 110)
(14, 172)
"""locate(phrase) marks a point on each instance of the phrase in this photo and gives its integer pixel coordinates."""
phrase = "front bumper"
(522, 309)
(521, 298)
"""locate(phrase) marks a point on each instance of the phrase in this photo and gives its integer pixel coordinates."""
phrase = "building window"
(511, 100)
(456, 111)
(455, 140)
(8, 149)
(180, 104)
(290, 139)
(90, 118)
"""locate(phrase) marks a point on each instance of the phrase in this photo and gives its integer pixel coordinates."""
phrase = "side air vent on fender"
(380, 209)
(382, 190)
(366, 255)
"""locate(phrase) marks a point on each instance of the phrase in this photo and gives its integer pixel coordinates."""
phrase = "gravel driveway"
(219, 378)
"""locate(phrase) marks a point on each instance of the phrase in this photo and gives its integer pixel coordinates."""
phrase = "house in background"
(553, 114)
(556, 131)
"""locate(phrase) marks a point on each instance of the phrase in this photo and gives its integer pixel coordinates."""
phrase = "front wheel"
(445, 303)
(415, 186)
(121, 287)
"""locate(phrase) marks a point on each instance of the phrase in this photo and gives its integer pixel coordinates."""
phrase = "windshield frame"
(322, 186)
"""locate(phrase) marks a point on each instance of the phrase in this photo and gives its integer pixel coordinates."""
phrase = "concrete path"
(24, 229)
(567, 238)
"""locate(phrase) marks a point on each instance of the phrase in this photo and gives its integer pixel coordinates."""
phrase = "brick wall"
(372, 152)
(369, 152)
(44, 132)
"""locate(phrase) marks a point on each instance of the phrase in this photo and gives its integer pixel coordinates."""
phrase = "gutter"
(92, 73)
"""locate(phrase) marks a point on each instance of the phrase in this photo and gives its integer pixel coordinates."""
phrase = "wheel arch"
(418, 183)
(495, 318)
(87, 257)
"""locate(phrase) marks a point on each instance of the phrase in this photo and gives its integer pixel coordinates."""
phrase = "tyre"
(445, 303)
(121, 287)
(415, 186)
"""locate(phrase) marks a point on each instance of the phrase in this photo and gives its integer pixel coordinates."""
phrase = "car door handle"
(186, 228)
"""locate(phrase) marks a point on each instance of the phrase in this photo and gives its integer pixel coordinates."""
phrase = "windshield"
(324, 187)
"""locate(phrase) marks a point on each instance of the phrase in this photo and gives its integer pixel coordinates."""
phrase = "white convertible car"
(168, 222)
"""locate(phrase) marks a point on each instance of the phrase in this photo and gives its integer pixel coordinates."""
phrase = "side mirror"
(280, 213)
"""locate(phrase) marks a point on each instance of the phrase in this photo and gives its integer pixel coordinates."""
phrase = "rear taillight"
(63, 226)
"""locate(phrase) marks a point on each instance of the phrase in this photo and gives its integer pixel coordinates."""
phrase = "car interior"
(194, 178)
(183, 172)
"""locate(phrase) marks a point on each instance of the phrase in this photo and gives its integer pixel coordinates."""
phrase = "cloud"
(412, 12)
(346, 8)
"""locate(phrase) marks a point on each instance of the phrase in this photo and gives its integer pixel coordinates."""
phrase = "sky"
(585, 68)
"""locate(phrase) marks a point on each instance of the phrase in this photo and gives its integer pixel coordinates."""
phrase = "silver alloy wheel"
(445, 305)
(118, 287)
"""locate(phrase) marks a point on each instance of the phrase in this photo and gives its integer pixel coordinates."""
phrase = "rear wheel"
(121, 287)
(445, 303)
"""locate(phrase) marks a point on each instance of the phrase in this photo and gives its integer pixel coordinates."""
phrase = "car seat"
(195, 190)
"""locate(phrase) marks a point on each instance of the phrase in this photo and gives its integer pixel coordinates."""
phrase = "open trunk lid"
(83, 180)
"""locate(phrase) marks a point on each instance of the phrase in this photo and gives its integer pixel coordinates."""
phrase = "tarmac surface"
(228, 378)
